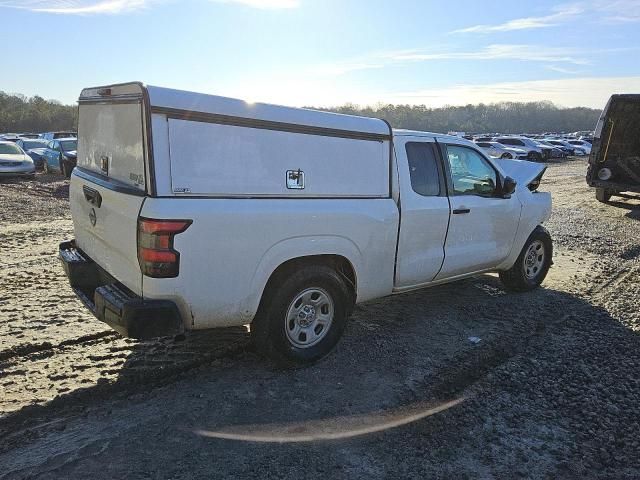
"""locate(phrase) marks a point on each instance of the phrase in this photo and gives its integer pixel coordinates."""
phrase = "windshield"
(34, 144)
(9, 149)
(69, 145)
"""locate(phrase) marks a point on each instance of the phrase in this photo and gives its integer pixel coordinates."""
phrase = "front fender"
(536, 209)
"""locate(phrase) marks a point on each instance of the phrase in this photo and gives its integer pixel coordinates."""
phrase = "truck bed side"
(229, 253)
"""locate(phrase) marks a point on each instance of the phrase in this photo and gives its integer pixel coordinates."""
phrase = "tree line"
(19, 114)
(503, 117)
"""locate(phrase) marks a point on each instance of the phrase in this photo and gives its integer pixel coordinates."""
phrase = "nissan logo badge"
(92, 217)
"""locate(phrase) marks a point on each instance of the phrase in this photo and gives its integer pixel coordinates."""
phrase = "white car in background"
(14, 162)
(586, 146)
(498, 150)
(534, 151)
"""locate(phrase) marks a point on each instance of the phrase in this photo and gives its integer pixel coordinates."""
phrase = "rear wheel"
(532, 264)
(603, 194)
(45, 166)
(64, 168)
(303, 315)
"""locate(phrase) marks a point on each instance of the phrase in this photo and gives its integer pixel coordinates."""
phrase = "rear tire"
(532, 264)
(302, 315)
(45, 167)
(603, 195)
(66, 170)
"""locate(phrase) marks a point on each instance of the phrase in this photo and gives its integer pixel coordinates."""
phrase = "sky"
(327, 52)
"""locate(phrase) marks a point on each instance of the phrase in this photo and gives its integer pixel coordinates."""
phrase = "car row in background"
(52, 152)
(532, 147)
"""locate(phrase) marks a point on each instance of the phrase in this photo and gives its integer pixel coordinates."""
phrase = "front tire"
(302, 315)
(532, 264)
(45, 167)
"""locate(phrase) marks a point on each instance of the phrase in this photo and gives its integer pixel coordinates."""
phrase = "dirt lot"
(551, 390)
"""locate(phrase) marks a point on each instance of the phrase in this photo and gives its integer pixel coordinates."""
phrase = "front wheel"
(45, 166)
(303, 315)
(532, 264)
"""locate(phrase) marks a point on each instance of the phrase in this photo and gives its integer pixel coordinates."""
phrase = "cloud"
(294, 89)
(264, 4)
(618, 11)
(602, 11)
(78, 7)
(561, 14)
(536, 53)
(568, 71)
(573, 92)
(94, 7)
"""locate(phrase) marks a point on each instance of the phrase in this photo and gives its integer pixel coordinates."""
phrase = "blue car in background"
(34, 148)
(60, 156)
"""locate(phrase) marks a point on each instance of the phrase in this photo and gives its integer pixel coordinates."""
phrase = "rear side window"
(423, 168)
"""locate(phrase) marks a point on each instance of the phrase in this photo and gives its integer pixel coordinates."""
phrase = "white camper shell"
(194, 211)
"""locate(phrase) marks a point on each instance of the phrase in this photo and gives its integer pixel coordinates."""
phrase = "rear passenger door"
(483, 224)
(425, 211)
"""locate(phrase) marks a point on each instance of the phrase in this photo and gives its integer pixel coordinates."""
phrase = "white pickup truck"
(194, 211)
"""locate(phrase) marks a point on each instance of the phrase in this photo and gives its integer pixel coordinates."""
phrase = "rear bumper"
(17, 171)
(616, 187)
(113, 303)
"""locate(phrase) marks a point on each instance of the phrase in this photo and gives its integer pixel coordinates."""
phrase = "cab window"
(423, 168)
(471, 173)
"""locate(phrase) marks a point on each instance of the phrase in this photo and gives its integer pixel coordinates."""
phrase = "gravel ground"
(551, 390)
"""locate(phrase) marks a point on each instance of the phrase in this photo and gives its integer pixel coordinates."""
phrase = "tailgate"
(108, 233)
(108, 187)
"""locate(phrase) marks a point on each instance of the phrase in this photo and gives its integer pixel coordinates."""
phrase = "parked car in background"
(56, 135)
(14, 162)
(534, 152)
(498, 150)
(581, 144)
(29, 135)
(34, 148)
(9, 137)
(568, 149)
(577, 150)
(60, 156)
(551, 151)
(483, 139)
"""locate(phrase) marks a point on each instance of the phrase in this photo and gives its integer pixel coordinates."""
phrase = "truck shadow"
(630, 203)
(445, 353)
(462, 355)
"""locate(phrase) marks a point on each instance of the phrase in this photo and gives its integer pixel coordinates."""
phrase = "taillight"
(156, 255)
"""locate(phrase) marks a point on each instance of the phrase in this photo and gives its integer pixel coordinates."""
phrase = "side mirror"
(508, 186)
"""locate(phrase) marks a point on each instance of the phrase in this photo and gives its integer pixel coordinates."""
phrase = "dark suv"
(614, 162)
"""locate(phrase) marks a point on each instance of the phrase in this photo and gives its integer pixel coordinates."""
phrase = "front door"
(483, 224)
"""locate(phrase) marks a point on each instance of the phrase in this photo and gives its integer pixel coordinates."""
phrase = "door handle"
(92, 196)
(459, 211)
